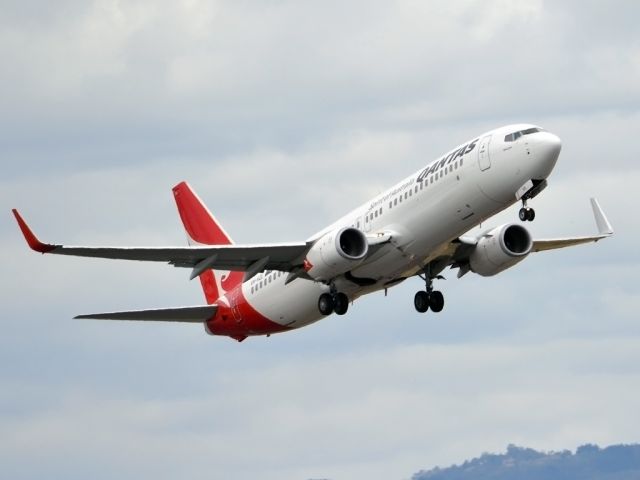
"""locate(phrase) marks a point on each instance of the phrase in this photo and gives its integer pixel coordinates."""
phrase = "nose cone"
(547, 150)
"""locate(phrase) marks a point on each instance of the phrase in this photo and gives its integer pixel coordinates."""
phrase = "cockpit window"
(512, 137)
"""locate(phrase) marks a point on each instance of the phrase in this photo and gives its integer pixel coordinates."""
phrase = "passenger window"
(416, 189)
(390, 204)
(395, 201)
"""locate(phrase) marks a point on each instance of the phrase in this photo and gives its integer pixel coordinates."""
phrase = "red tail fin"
(202, 228)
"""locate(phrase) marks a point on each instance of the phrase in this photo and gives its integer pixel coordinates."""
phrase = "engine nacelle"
(499, 249)
(336, 253)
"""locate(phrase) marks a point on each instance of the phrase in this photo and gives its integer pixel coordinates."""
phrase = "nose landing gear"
(526, 214)
(429, 298)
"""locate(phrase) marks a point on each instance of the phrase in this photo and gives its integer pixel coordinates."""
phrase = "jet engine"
(336, 253)
(499, 249)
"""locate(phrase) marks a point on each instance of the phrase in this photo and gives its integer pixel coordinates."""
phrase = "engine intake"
(336, 253)
(499, 249)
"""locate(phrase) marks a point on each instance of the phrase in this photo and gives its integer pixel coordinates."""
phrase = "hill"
(589, 462)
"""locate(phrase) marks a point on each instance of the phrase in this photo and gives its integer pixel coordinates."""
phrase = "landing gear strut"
(526, 214)
(333, 301)
(429, 298)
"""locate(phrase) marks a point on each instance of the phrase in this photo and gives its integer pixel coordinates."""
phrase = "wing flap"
(195, 314)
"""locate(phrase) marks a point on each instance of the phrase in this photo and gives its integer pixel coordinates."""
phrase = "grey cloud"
(308, 402)
(143, 79)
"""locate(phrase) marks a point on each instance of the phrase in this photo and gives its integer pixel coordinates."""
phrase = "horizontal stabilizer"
(197, 314)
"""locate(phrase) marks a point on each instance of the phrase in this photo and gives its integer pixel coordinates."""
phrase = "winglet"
(604, 227)
(30, 237)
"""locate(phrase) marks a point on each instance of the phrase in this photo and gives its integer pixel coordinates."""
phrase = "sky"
(285, 115)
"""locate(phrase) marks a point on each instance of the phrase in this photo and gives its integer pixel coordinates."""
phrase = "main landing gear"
(429, 298)
(329, 303)
(526, 214)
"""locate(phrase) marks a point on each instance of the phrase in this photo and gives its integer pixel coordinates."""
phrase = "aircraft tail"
(202, 228)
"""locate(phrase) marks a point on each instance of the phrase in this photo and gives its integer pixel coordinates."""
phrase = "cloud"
(338, 425)
(110, 81)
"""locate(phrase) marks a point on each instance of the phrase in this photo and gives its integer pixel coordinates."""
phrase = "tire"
(421, 301)
(325, 304)
(531, 214)
(436, 301)
(523, 214)
(340, 303)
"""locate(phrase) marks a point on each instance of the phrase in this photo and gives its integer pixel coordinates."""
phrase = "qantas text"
(446, 160)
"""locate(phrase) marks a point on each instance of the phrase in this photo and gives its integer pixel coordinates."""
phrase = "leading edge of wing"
(195, 314)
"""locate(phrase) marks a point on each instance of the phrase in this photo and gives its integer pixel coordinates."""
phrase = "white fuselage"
(422, 214)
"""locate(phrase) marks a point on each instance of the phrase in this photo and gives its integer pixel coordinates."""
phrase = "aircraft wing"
(246, 258)
(197, 314)
(604, 230)
(458, 252)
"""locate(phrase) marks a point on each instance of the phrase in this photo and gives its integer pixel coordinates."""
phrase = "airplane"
(417, 228)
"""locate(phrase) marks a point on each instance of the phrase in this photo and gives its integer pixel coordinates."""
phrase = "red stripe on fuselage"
(240, 319)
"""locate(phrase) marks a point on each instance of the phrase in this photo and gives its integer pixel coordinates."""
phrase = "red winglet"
(29, 236)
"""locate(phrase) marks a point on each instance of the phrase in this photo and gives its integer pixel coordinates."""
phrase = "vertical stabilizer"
(203, 229)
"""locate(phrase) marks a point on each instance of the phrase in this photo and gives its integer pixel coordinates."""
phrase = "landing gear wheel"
(436, 301)
(523, 214)
(326, 304)
(527, 214)
(429, 298)
(531, 215)
(421, 301)
(340, 303)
